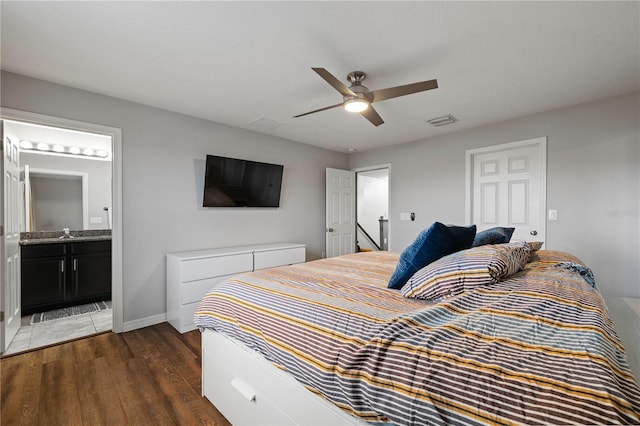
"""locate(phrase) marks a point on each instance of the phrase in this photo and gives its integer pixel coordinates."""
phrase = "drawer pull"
(244, 389)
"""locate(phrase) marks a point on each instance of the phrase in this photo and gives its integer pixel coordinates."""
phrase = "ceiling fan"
(358, 98)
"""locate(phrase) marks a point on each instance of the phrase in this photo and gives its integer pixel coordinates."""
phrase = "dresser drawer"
(272, 258)
(194, 291)
(211, 267)
(190, 275)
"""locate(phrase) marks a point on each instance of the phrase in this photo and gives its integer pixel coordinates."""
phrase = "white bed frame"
(249, 390)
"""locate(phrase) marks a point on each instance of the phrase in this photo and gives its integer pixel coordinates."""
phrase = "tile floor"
(59, 330)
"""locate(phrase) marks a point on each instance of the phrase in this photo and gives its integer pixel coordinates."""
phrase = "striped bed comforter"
(537, 347)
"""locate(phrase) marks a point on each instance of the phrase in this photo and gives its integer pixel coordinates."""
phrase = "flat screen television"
(231, 182)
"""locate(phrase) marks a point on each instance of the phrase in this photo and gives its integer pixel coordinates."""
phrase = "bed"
(326, 342)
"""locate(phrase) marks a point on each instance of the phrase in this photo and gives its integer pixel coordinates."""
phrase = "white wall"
(163, 167)
(593, 180)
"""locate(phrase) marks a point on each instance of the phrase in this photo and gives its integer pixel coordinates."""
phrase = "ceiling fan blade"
(372, 115)
(337, 84)
(407, 89)
(318, 110)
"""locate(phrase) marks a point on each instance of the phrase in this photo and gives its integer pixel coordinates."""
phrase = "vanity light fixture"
(42, 147)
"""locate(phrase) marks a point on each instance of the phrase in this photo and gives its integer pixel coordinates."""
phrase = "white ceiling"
(235, 62)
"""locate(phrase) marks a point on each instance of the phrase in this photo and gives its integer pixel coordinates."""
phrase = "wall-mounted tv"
(231, 182)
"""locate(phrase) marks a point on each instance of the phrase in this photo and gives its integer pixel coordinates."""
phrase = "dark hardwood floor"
(149, 376)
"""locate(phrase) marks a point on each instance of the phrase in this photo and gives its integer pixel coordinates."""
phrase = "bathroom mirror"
(77, 196)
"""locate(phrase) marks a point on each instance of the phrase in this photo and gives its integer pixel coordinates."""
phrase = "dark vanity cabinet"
(65, 274)
(90, 269)
(43, 275)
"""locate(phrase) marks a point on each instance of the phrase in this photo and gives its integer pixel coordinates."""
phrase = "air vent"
(265, 123)
(442, 121)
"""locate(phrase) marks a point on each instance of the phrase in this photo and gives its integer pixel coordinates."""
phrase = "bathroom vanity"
(58, 272)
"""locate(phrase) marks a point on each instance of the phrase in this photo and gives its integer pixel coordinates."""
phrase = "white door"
(507, 188)
(2, 228)
(341, 212)
(11, 216)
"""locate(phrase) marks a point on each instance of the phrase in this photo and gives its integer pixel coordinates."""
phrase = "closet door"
(507, 188)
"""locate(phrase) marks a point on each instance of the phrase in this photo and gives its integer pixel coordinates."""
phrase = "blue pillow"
(463, 235)
(497, 235)
(433, 243)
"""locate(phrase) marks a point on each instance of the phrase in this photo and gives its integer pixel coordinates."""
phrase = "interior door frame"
(117, 289)
(377, 167)
(541, 143)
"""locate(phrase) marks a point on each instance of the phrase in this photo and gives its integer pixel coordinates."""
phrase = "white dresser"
(191, 274)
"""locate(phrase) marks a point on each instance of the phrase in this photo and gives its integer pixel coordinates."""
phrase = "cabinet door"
(43, 282)
(91, 276)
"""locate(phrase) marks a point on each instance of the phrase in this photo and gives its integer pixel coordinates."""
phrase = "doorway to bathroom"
(66, 205)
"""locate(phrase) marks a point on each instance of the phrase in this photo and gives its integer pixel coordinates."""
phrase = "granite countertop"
(56, 237)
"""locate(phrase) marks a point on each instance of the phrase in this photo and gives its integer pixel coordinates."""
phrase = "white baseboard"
(144, 322)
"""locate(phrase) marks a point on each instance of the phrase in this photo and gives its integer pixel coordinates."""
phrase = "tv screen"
(230, 182)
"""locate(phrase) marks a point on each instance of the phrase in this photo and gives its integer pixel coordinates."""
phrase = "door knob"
(329, 229)
(534, 232)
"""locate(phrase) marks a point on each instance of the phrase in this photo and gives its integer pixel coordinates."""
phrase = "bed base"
(249, 390)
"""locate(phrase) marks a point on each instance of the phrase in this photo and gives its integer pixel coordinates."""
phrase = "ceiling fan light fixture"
(357, 97)
(356, 105)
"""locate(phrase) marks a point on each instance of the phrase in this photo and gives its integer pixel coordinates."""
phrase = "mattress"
(536, 347)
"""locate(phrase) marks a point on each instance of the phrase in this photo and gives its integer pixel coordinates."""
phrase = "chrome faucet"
(66, 234)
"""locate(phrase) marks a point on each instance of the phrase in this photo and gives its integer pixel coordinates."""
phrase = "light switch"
(553, 214)
(95, 220)
(405, 216)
